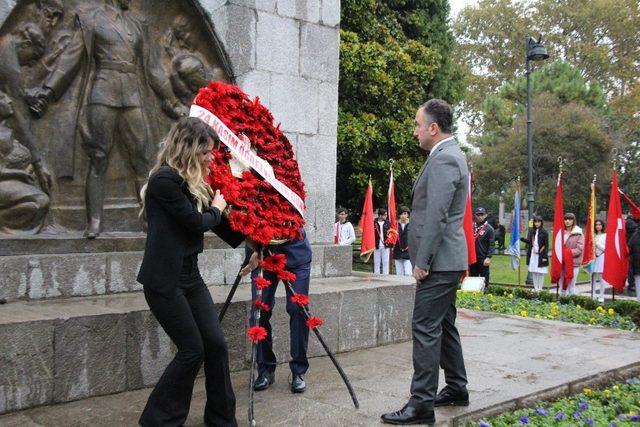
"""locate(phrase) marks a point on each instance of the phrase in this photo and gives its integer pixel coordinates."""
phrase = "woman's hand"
(219, 201)
(253, 263)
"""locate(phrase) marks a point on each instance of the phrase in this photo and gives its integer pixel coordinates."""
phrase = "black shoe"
(446, 397)
(409, 415)
(264, 380)
(298, 385)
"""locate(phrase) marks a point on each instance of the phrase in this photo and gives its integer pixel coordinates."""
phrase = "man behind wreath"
(110, 49)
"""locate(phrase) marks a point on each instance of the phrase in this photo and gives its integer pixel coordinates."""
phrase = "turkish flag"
(366, 225)
(616, 252)
(557, 253)
(392, 234)
(467, 225)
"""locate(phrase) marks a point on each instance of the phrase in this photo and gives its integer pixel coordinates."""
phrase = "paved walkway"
(510, 361)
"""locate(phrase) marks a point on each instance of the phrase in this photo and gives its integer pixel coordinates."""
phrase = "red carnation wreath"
(256, 208)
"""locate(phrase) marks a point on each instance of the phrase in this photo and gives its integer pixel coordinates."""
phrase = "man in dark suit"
(438, 252)
(298, 254)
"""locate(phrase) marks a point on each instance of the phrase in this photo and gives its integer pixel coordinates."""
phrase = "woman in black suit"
(179, 207)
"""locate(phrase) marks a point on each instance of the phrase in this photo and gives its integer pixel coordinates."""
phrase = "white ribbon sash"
(243, 152)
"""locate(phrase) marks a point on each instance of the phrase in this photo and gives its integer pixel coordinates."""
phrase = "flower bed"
(614, 406)
(512, 301)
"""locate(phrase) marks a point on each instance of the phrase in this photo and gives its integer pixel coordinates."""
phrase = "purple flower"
(636, 380)
(622, 417)
(588, 422)
(559, 416)
(542, 411)
(583, 405)
(613, 425)
(484, 424)
(577, 415)
(635, 417)
(614, 323)
(524, 420)
(628, 380)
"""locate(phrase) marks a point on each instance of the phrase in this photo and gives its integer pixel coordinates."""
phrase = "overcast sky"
(457, 6)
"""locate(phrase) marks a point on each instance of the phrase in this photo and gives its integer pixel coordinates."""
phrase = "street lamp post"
(535, 51)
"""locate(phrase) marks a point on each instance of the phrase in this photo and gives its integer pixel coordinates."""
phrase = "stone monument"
(75, 323)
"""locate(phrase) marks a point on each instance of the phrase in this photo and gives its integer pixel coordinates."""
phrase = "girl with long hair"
(537, 252)
(574, 240)
(180, 207)
(600, 238)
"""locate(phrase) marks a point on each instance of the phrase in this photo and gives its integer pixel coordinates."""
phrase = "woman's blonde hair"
(179, 150)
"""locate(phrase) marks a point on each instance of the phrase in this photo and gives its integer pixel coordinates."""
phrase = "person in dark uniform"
(484, 237)
(180, 206)
(298, 254)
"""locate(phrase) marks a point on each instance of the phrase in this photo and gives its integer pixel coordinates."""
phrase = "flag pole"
(391, 263)
(593, 184)
(518, 243)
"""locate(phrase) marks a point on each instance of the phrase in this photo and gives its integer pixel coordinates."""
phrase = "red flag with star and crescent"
(557, 248)
(616, 252)
(467, 225)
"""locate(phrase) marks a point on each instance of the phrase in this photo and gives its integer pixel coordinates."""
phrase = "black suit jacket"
(385, 230)
(401, 249)
(176, 230)
(543, 245)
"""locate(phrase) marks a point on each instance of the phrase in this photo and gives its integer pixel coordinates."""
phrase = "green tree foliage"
(569, 122)
(394, 55)
(599, 37)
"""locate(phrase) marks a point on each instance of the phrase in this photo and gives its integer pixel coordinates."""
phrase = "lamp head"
(535, 49)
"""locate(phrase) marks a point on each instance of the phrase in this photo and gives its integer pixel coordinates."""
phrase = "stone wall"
(287, 52)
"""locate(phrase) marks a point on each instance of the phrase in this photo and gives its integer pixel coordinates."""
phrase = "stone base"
(62, 350)
(109, 265)
(115, 217)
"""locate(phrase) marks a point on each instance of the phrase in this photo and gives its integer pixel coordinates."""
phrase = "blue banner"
(514, 242)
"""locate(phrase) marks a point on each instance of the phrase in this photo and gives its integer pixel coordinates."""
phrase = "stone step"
(60, 350)
(113, 267)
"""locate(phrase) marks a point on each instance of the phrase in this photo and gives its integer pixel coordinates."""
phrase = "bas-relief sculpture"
(90, 88)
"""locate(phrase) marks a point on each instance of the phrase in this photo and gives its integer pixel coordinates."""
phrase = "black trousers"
(477, 269)
(191, 321)
(436, 341)
(298, 329)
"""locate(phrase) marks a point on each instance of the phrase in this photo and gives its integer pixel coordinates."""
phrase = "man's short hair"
(382, 211)
(439, 112)
(342, 210)
(405, 209)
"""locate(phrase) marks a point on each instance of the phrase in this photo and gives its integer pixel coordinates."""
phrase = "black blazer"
(176, 230)
(543, 244)
(376, 231)
(401, 249)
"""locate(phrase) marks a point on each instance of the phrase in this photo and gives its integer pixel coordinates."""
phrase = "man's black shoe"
(409, 415)
(446, 397)
(264, 380)
(298, 385)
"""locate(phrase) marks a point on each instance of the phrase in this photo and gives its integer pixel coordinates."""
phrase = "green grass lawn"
(501, 271)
